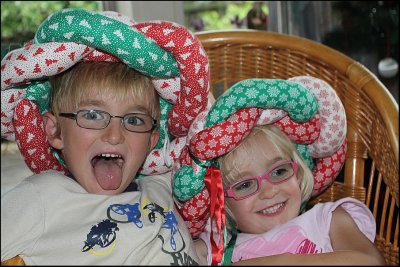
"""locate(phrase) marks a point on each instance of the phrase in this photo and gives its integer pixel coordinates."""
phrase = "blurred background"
(367, 31)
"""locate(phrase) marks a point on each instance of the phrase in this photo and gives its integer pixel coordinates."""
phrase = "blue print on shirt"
(103, 234)
(154, 208)
(130, 213)
(171, 223)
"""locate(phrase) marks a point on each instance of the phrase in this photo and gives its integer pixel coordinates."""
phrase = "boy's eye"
(93, 115)
(134, 120)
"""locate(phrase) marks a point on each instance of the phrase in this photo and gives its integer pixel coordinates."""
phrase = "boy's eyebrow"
(141, 108)
(95, 102)
(92, 102)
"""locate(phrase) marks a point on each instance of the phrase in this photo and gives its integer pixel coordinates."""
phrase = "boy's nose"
(267, 189)
(113, 133)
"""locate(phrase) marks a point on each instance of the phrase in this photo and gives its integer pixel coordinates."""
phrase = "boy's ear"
(154, 139)
(50, 128)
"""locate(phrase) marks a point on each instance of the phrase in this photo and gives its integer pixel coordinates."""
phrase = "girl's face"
(104, 161)
(273, 204)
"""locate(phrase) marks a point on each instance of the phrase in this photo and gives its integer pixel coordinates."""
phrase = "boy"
(103, 124)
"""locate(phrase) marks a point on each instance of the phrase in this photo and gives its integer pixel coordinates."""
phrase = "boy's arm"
(350, 245)
(22, 217)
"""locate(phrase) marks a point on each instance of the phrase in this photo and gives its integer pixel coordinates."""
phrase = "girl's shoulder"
(349, 210)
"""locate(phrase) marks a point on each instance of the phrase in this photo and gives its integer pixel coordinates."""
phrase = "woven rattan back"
(371, 168)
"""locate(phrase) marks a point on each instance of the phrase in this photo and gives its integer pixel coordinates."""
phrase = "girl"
(266, 184)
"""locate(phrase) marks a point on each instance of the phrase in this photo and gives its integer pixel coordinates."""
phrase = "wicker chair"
(371, 168)
(371, 172)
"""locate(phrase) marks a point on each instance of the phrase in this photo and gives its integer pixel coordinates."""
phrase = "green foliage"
(20, 19)
(223, 21)
(218, 15)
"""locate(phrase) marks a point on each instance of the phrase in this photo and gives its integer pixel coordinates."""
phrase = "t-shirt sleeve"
(164, 180)
(358, 211)
(22, 220)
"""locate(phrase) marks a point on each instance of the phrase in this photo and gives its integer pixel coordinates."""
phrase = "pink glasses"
(250, 186)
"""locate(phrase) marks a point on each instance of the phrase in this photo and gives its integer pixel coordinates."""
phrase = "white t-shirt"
(50, 219)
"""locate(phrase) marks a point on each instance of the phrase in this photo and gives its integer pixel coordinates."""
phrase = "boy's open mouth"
(108, 170)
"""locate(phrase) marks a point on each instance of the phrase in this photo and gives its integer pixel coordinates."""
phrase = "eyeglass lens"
(96, 119)
(251, 185)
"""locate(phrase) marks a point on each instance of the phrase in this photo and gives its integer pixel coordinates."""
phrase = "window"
(218, 15)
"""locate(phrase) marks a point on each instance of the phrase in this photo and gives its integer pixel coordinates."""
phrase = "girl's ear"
(50, 128)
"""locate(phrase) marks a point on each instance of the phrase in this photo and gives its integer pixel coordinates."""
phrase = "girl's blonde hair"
(71, 87)
(232, 161)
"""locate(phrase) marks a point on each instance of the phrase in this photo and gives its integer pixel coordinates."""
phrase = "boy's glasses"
(97, 120)
(250, 186)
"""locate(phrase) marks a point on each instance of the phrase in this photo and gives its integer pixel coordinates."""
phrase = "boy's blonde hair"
(76, 84)
(232, 161)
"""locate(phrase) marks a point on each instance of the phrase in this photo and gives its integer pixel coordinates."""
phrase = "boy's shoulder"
(156, 186)
(49, 176)
(162, 179)
(50, 181)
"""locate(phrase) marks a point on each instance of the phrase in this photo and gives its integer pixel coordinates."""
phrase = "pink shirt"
(305, 234)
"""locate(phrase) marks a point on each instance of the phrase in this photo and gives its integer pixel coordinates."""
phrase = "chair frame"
(372, 160)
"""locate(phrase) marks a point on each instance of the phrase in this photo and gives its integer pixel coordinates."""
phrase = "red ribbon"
(213, 181)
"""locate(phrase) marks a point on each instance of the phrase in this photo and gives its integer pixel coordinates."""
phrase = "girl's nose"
(267, 189)
(113, 133)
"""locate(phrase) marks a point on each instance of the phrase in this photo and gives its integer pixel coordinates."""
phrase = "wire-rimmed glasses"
(98, 119)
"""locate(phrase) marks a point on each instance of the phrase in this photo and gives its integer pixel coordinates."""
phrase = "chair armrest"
(16, 261)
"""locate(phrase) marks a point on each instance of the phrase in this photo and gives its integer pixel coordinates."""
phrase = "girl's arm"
(201, 250)
(350, 246)
(346, 237)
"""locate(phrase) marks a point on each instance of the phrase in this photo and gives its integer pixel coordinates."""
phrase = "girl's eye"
(278, 172)
(246, 185)
(282, 172)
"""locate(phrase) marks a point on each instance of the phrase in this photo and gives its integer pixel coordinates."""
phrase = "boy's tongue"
(108, 172)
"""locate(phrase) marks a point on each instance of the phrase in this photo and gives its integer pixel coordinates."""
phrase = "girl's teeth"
(272, 209)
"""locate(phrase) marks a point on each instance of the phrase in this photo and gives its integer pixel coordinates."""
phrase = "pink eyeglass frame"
(229, 192)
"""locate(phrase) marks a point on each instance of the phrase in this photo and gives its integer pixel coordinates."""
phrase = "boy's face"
(274, 204)
(84, 149)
